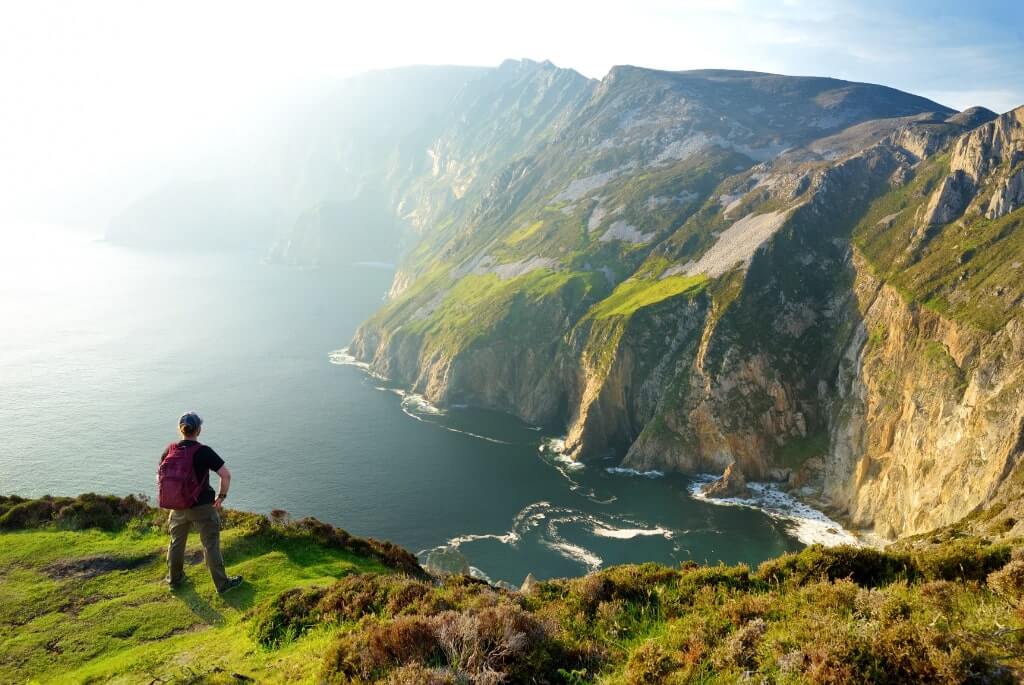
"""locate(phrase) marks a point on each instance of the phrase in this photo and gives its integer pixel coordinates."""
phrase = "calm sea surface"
(102, 347)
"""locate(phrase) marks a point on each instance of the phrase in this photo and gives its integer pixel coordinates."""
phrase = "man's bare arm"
(225, 483)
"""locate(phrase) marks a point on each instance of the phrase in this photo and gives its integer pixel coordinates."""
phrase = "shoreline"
(801, 519)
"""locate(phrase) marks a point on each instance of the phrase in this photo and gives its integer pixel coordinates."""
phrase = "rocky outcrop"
(1008, 195)
(730, 484)
(950, 200)
(985, 148)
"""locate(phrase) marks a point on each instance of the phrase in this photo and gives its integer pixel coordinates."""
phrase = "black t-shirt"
(204, 461)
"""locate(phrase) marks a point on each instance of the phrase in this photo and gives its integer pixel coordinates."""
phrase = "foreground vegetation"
(82, 600)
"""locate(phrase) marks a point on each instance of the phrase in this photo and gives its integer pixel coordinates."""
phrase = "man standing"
(184, 481)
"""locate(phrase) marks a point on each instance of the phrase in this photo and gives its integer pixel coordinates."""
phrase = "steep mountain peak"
(972, 117)
(526, 65)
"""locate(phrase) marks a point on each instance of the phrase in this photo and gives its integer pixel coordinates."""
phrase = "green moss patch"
(637, 293)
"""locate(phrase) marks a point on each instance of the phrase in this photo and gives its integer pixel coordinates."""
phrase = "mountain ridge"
(675, 269)
(681, 412)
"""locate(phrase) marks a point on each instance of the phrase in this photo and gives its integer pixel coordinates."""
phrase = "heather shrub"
(356, 596)
(745, 607)
(939, 593)
(496, 641)
(100, 511)
(862, 565)
(741, 647)
(286, 617)
(387, 553)
(899, 653)
(8, 502)
(965, 559)
(883, 606)
(20, 513)
(491, 645)
(650, 664)
(838, 596)
(634, 583)
(730, 577)
(1009, 581)
(417, 674)
(85, 511)
(404, 640)
(249, 524)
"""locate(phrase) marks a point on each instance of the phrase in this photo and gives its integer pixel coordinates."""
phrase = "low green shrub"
(963, 559)
(496, 644)
(359, 596)
(388, 553)
(1009, 581)
(650, 664)
(85, 511)
(862, 565)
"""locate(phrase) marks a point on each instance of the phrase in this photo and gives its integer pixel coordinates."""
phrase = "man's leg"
(179, 526)
(208, 523)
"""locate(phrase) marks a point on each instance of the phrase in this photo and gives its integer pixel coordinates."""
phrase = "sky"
(103, 100)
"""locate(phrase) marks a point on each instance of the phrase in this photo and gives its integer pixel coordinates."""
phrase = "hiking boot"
(174, 585)
(233, 582)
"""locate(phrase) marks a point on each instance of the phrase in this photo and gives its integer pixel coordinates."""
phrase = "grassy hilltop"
(82, 600)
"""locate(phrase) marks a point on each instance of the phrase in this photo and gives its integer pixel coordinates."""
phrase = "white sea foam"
(556, 448)
(414, 402)
(548, 525)
(343, 357)
(620, 471)
(553, 445)
(805, 523)
(552, 452)
(474, 572)
(418, 407)
(569, 462)
(576, 553)
(509, 538)
(630, 533)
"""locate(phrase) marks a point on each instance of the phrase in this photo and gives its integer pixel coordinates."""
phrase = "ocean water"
(102, 347)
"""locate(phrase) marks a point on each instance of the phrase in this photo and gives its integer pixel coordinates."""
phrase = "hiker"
(184, 482)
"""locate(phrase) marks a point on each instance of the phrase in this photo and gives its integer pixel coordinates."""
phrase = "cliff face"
(929, 414)
(929, 418)
(810, 279)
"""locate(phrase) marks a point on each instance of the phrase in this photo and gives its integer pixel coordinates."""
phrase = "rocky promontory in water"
(688, 271)
(84, 600)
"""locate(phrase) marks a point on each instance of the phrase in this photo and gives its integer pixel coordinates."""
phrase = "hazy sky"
(99, 100)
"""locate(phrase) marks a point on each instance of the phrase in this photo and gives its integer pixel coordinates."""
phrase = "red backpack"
(176, 477)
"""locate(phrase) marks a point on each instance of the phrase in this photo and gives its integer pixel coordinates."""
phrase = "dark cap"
(190, 421)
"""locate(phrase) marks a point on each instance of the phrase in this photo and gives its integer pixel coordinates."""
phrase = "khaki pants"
(206, 520)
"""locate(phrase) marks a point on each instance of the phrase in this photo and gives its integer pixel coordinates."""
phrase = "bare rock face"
(987, 146)
(731, 484)
(950, 200)
(1009, 195)
(922, 448)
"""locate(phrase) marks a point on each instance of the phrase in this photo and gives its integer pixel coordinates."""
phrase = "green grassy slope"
(967, 270)
(80, 603)
(88, 604)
